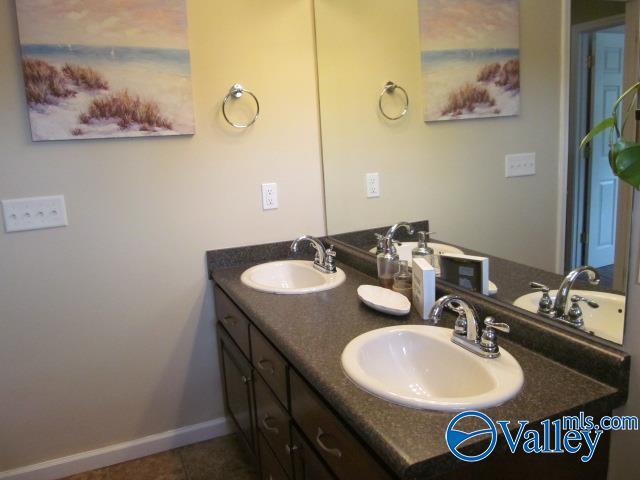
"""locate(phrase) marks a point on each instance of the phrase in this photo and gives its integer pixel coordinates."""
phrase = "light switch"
(34, 213)
(520, 165)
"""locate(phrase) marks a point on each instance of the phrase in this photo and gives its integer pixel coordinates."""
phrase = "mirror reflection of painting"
(101, 69)
(470, 58)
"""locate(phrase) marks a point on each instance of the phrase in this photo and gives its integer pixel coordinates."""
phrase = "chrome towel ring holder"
(390, 88)
(236, 92)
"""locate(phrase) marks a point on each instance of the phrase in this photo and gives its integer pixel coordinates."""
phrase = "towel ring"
(390, 88)
(236, 91)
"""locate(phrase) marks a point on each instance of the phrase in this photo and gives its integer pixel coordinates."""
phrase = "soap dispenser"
(423, 250)
(388, 263)
(402, 281)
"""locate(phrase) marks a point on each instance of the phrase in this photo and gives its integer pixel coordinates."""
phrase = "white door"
(607, 81)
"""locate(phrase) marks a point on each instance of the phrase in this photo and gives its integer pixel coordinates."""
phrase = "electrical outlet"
(269, 196)
(520, 165)
(373, 185)
(34, 213)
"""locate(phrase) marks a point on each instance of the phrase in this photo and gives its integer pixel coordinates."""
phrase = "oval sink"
(418, 366)
(606, 322)
(290, 277)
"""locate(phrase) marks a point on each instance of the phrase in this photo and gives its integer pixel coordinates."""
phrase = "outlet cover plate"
(269, 196)
(373, 185)
(34, 213)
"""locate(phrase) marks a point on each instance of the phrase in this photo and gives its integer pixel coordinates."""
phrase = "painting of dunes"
(106, 68)
(470, 58)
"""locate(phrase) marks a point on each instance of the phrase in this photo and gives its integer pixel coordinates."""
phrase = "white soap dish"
(384, 300)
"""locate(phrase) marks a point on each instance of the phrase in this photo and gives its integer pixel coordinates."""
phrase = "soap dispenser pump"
(423, 250)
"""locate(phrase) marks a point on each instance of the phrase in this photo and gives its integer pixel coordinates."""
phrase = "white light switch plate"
(34, 213)
(269, 196)
(373, 185)
(520, 165)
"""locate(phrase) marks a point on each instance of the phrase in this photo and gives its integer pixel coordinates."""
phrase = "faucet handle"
(490, 322)
(489, 339)
(574, 315)
(588, 301)
(539, 287)
(545, 305)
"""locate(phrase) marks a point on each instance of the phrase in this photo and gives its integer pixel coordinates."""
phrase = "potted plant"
(624, 154)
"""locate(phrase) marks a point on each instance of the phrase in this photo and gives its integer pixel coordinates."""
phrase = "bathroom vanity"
(302, 418)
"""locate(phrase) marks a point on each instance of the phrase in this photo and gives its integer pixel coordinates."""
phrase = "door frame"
(580, 84)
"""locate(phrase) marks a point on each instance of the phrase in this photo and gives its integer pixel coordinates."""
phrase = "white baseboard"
(121, 452)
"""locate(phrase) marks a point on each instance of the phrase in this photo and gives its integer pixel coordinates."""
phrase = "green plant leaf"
(614, 150)
(598, 129)
(633, 88)
(627, 163)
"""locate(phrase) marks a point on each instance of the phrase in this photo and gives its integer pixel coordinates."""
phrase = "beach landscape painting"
(470, 58)
(106, 68)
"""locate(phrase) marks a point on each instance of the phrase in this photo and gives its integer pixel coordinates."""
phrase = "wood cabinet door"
(238, 392)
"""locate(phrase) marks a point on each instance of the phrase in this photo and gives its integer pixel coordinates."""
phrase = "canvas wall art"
(106, 68)
(470, 58)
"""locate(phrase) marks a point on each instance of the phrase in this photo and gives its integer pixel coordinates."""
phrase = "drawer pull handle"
(230, 319)
(331, 451)
(269, 428)
(290, 449)
(264, 364)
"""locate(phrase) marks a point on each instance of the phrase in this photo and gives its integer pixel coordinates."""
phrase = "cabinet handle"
(245, 380)
(290, 449)
(264, 364)
(269, 428)
(230, 319)
(331, 451)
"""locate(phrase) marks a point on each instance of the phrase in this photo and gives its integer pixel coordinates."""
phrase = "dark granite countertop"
(312, 330)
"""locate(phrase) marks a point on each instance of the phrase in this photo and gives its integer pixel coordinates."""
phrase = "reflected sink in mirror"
(294, 277)
(418, 366)
(606, 321)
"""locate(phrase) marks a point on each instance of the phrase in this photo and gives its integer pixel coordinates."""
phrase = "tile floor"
(219, 459)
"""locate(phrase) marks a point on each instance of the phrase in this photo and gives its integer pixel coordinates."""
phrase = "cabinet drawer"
(233, 319)
(270, 469)
(270, 364)
(346, 456)
(273, 423)
(307, 465)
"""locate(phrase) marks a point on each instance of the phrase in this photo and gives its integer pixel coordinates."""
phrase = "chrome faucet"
(466, 332)
(557, 308)
(325, 259)
(386, 243)
(560, 305)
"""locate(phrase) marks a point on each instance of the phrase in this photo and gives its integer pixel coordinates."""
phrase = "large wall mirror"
(547, 78)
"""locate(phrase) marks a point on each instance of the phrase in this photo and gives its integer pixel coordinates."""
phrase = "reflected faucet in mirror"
(557, 308)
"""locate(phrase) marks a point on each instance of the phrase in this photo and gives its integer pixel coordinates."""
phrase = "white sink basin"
(290, 277)
(606, 322)
(418, 366)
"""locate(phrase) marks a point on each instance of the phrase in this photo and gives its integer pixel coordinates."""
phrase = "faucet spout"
(325, 257)
(386, 242)
(467, 323)
(560, 304)
(320, 250)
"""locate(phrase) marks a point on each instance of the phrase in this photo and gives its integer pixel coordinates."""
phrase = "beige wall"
(106, 330)
(451, 173)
